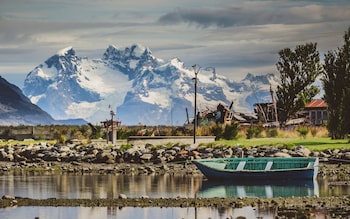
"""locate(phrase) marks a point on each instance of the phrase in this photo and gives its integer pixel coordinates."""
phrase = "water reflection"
(333, 188)
(99, 186)
(129, 212)
(168, 185)
(211, 189)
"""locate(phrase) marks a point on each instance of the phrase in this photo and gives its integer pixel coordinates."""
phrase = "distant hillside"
(17, 109)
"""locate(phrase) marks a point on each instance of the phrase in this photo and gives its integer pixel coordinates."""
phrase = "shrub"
(125, 147)
(230, 131)
(254, 132)
(271, 133)
(62, 139)
(313, 132)
(216, 131)
(303, 130)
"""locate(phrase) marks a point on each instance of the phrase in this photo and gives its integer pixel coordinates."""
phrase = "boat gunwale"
(203, 161)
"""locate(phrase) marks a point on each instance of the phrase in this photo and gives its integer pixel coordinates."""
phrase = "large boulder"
(302, 151)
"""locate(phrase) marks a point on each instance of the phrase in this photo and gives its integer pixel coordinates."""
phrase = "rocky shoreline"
(102, 153)
(147, 159)
(292, 207)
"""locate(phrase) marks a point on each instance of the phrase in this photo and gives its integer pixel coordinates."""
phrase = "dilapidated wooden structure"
(111, 127)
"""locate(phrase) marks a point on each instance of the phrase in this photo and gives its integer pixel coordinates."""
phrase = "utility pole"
(274, 104)
(114, 130)
(196, 71)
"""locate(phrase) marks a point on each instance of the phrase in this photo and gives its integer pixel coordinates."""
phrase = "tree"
(298, 71)
(336, 85)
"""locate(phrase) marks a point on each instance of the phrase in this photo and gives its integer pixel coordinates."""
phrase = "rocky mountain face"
(141, 88)
(17, 109)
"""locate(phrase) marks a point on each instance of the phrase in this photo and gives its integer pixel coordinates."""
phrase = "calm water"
(152, 213)
(110, 186)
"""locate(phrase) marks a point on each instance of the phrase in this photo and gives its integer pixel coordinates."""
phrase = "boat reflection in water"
(229, 189)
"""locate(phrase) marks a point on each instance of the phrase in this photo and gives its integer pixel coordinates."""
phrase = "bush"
(313, 132)
(216, 131)
(271, 133)
(125, 147)
(124, 132)
(254, 132)
(303, 130)
(62, 139)
(230, 131)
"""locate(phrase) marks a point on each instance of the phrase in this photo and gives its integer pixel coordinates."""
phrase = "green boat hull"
(259, 168)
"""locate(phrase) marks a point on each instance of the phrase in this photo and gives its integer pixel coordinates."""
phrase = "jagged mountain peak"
(64, 60)
(62, 63)
(68, 51)
(134, 52)
(259, 78)
(131, 60)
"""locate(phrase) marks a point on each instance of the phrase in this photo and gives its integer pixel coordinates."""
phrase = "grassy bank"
(316, 139)
(24, 142)
(312, 143)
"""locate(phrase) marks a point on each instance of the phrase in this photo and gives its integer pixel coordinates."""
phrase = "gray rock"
(171, 152)
(335, 151)
(63, 148)
(281, 154)
(164, 167)
(346, 155)
(150, 169)
(122, 196)
(284, 150)
(8, 197)
(10, 157)
(3, 155)
(324, 155)
(146, 157)
(302, 151)
(176, 148)
(228, 152)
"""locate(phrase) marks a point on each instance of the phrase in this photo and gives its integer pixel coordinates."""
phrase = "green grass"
(314, 144)
(24, 143)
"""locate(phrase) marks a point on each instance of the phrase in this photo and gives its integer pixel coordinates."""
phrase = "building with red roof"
(317, 112)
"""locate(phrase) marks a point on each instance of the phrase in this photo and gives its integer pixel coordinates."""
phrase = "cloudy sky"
(234, 36)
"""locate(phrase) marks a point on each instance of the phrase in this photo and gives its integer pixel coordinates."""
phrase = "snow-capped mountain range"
(140, 88)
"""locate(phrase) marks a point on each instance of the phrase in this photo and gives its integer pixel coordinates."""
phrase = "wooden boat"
(269, 168)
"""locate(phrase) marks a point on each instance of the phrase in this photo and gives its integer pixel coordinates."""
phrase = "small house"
(317, 112)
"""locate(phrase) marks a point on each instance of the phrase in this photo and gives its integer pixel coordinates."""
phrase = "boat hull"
(244, 175)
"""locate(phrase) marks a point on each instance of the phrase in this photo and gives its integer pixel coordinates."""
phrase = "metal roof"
(317, 104)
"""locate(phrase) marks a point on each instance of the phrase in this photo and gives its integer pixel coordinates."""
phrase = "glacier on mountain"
(141, 88)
